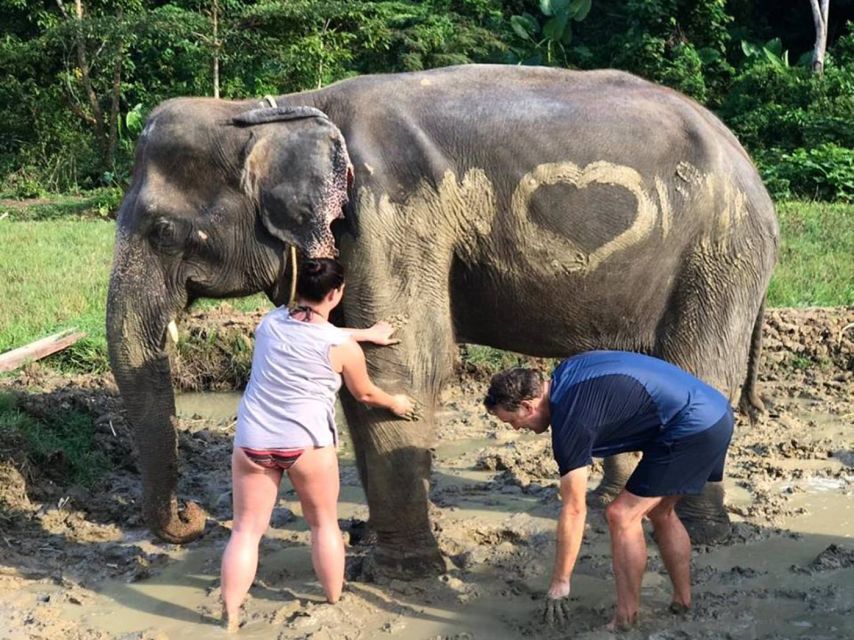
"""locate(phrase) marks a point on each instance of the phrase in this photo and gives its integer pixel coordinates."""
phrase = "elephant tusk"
(202, 234)
(172, 329)
(293, 291)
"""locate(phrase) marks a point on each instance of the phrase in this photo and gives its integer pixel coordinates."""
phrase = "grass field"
(55, 274)
(815, 267)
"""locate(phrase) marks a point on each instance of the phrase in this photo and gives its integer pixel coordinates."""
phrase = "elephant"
(538, 210)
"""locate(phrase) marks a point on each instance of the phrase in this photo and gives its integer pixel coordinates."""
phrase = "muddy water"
(764, 583)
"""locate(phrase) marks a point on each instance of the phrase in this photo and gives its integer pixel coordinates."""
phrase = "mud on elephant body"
(538, 210)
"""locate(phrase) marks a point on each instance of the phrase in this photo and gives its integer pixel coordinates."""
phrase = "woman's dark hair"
(508, 388)
(317, 277)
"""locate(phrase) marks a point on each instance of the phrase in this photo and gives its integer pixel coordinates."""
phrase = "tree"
(543, 43)
(89, 108)
(820, 10)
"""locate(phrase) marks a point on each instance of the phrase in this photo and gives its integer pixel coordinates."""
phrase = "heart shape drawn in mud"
(549, 249)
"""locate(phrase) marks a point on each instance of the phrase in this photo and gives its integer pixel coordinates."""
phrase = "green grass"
(55, 275)
(815, 267)
(63, 443)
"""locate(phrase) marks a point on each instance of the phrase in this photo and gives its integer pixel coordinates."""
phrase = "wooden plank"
(39, 349)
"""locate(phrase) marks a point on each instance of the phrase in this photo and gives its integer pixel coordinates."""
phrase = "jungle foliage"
(75, 87)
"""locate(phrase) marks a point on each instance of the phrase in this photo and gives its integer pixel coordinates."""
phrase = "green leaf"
(554, 28)
(567, 34)
(805, 59)
(709, 55)
(749, 49)
(524, 26)
(554, 7)
(580, 8)
(134, 119)
(775, 46)
(773, 58)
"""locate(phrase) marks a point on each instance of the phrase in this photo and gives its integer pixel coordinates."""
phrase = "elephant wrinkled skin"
(538, 210)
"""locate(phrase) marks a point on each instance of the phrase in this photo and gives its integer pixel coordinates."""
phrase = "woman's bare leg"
(315, 478)
(255, 490)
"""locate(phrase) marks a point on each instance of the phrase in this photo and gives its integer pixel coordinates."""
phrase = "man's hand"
(556, 611)
(380, 334)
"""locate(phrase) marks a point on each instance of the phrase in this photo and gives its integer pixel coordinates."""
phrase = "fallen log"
(39, 349)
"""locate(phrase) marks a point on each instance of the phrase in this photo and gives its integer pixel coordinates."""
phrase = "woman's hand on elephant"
(403, 406)
(379, 334)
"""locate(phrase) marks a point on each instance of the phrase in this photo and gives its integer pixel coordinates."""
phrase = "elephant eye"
(164, 233)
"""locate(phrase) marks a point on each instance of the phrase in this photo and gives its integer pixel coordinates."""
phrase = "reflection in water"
(219, 408)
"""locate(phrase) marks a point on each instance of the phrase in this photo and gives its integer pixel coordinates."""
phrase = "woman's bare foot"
(231, 623)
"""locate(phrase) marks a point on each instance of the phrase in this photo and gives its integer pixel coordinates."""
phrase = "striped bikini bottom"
(273, 458)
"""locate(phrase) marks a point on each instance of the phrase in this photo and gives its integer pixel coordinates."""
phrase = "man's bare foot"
(678, 609)
(620, 623)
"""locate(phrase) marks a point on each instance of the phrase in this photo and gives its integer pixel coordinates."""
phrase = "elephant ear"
(297, 171)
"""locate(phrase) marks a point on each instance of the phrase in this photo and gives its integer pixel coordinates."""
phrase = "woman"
(286, 422)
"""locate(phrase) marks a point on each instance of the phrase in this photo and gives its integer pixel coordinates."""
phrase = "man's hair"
(508, 388)
(317, 277)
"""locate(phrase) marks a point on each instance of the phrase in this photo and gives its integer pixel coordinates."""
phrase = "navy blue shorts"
(684, 466)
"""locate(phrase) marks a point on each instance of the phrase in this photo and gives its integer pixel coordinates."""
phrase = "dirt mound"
(804, 338)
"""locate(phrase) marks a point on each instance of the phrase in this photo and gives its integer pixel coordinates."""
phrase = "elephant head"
(218, 192)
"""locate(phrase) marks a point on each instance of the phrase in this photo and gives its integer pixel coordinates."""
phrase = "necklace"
(307, 311)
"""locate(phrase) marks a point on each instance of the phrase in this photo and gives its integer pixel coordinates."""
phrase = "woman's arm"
(350, 360)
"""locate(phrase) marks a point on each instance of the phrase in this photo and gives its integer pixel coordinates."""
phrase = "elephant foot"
(359, 533)
(179, 527)
(704, 516)
(752, 406)
(406, 561)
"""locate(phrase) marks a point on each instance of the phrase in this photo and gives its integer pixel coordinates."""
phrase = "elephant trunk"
(136, 340)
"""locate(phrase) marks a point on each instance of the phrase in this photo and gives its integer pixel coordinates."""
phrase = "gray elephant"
(538, 210)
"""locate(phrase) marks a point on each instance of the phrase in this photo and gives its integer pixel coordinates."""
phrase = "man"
(602, 403)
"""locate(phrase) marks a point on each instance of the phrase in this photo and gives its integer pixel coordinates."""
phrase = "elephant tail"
(750, 403)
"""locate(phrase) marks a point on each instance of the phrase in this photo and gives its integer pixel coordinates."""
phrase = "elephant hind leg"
(710, 331)
(617, 470)
(705, 516)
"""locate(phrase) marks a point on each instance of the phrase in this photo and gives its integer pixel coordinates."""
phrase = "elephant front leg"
(394, 463)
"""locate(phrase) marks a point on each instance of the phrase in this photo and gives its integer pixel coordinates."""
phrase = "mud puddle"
(496, 523)
(78, 563)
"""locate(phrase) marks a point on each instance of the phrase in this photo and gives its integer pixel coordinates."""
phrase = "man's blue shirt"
(608, 402)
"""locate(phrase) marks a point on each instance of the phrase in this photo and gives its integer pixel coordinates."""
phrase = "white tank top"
(289, 402)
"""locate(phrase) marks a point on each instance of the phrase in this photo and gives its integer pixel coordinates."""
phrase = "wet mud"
(78, 563)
